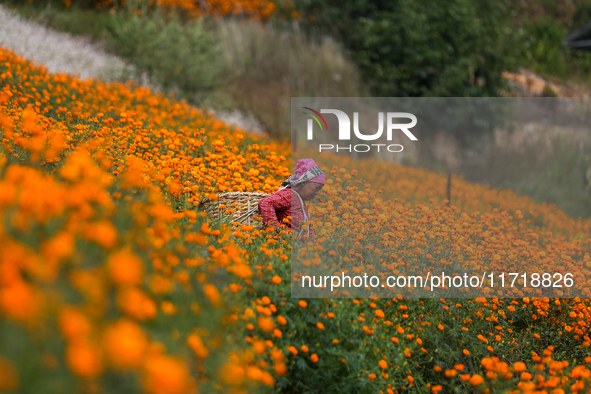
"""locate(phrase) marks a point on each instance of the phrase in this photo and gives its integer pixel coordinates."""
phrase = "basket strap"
(247, 214)
(306, 215)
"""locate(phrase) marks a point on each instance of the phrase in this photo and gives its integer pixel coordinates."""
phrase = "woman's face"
(309, 190)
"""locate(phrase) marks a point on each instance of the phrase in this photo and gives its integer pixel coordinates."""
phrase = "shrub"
(183, 57)
(421, 48)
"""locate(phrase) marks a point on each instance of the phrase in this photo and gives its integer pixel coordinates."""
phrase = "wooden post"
(449, 189)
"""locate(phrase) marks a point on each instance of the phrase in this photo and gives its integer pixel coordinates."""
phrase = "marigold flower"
(125, 344)
(196, 344)
(74, 324)
(212, 293)
(476, 380)
(164, 374)
(84, 359)
(266, 324)
(519, 366)
(125, 268)
(136, 303)
(21, 302)
(526, 376)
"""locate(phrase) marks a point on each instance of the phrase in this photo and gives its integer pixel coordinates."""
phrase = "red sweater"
(278, 206)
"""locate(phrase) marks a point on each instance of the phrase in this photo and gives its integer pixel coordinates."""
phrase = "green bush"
(542, 46)
(179, 56)
(422, 48)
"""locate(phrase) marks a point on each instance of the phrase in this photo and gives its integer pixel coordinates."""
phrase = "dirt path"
(59, 52)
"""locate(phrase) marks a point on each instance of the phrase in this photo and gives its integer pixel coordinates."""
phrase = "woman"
(303, 185)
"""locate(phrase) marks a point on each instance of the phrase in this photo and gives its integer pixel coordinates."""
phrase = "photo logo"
(316, 119)
(345, 129)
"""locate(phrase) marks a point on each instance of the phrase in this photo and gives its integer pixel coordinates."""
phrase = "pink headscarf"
(306, 170)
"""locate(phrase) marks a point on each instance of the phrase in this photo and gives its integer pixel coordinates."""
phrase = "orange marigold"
(125, 344)
(125, 268)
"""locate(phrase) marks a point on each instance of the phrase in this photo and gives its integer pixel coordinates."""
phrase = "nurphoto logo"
(345, 130)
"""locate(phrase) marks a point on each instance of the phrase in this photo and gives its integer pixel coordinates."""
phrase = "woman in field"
(289, 200)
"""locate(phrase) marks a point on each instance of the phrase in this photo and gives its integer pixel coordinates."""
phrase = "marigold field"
(112, 281)
(253, 9)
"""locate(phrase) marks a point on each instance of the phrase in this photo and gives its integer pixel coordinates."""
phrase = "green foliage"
(540, 41)
(542, 46)
(182, 57)
(582, 15)
(422, 48)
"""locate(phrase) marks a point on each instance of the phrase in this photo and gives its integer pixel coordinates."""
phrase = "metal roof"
(580, 39)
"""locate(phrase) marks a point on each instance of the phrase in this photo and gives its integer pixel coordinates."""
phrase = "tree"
(421, 47)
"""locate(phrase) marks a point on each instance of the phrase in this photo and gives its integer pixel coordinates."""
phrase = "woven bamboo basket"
(237, 207)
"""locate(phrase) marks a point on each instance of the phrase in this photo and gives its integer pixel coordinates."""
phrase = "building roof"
(580, 39)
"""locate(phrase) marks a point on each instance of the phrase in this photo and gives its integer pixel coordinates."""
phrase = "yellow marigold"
(125, 268)
(21, 302)
(212, 293)
(519, 366)
(60, 246)
(232, 374)
(136, 303)
(242, 271)
(293, 350)
(476, 380)
(280, 369)
(125, 344)
(84, 359)
(526, 376)
(74, 324)
(266, 324)
(103, 233)
(196, 344)
(166, 375)
(161, 285)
